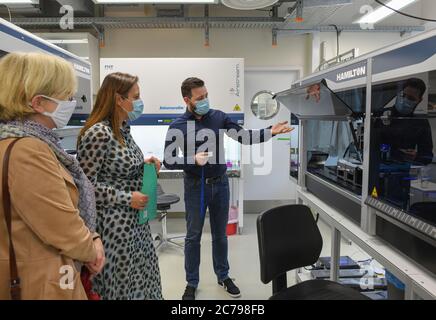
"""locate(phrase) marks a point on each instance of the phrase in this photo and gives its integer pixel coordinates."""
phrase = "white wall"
(252, 45)
(364, 41)
(280, 186)
(429, 11)
(255, 46)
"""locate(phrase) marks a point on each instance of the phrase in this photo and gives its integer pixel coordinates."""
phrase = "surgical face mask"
(63, 111)
(138, 108)
(202, 107)
(405, 106)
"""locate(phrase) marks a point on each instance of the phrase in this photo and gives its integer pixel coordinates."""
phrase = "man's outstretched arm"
(250, 137)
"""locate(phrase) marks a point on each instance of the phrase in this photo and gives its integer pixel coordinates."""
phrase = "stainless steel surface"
(368, 216)
(317, 158)
(341, 58)
(405, 227)
(350, 172)
(171, 174)
(340, 190)
(276, 23)
(159, 23)
(303, 154)
(403, 220)
(165, 240)
(296, 28)
(336, 254)
(400, 265)
(178, 174)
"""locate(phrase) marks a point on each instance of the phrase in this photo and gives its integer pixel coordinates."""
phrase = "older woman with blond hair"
(47, 202)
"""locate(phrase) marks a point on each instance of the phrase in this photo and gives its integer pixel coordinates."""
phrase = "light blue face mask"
(202, 107)
(138, 108)
(405, 106)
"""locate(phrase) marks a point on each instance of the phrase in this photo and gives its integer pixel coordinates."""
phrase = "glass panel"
(294, 147)
(264, 106)
(334, 140)
(314, 101)
(334, 153)
(403, 163)
(355, 99)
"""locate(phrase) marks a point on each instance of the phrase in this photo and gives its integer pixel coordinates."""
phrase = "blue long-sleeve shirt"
(190, 135)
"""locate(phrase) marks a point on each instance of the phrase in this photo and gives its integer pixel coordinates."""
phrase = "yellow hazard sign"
(374, 193)
(237, 108)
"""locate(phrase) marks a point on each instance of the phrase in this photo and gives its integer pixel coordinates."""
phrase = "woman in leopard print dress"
(114, 164)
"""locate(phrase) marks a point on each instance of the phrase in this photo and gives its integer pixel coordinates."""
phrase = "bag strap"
(15, 285)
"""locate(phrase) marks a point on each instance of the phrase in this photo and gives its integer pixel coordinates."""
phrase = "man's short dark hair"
(417, 84)
(189, 84)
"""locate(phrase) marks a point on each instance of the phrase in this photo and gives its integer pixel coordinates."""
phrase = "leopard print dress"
(131, 271)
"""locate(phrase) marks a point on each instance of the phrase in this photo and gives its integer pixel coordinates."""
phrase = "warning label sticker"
(237, 108)
(374, 193)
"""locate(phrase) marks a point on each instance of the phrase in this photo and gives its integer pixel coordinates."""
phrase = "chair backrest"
(159, 190)
(289, 238)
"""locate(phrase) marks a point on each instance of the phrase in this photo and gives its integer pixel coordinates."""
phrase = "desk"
(419, 283)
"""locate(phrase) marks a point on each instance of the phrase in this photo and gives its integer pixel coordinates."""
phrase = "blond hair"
(26, 75)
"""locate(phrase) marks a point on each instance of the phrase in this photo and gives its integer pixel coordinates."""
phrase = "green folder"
(149, 187)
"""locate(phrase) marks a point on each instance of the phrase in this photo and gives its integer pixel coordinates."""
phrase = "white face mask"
(63, 111)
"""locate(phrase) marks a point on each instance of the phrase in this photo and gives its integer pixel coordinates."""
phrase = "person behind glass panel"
(405, 143)
(410, 140)
(315, 92)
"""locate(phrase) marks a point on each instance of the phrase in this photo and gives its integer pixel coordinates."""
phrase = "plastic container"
(232, 224)
(232, 229)
(396, 289)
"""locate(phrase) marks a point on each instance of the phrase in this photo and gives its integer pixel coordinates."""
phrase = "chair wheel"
(157, 238)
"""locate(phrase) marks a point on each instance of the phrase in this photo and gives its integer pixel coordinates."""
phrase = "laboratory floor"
(243, 260)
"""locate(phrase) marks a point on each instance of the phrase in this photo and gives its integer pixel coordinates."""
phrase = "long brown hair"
(105, 105)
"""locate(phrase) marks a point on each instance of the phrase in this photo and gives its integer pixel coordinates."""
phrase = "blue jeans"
(216, 198)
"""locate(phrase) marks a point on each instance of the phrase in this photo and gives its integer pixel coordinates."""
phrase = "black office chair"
(164, 202)
(289, 238)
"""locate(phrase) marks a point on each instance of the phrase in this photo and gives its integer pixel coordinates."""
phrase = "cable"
(9, 11)
(337, 46)
(403, 13)
(202, 208)
(384, 5)
(337, 39)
